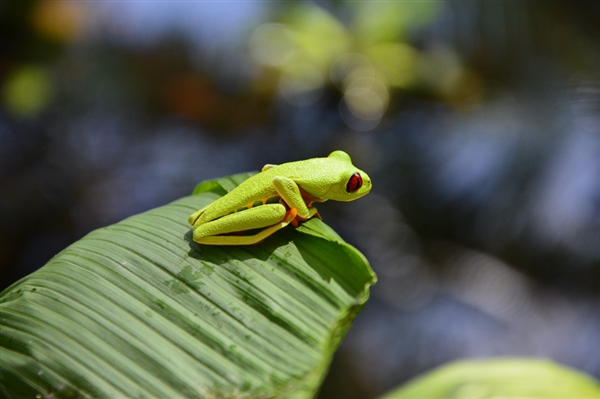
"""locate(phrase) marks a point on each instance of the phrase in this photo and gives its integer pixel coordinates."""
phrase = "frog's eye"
(354, 183)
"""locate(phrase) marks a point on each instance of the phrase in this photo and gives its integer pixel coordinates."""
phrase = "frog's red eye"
(354, 183)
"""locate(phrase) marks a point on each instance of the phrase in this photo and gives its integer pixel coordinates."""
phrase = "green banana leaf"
(500, 378)
(139, 310)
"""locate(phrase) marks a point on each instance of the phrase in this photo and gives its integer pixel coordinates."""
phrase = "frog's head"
(350, 182)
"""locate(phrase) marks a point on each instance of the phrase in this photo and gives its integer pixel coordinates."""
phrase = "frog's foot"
(299, 220)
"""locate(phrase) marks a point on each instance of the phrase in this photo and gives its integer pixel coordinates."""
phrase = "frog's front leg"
(272, 217)
(290, 193)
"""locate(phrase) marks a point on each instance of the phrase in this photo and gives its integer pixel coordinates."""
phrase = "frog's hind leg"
(271, 217)
(196, 215)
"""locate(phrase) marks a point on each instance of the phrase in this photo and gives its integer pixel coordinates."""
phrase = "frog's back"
(260, 187)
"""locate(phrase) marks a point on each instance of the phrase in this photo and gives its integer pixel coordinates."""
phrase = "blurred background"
(479, 123)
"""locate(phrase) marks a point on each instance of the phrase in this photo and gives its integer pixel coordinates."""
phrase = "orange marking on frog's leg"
(291, 215)
(309, 198)
(298, 220)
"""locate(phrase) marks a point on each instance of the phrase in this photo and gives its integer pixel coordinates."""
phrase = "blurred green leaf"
(391, 21)
(139, 310)
(503, 378)
(28, 90)
(320, 38)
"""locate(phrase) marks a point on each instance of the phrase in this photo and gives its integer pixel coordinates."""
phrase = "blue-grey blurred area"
(478, 122)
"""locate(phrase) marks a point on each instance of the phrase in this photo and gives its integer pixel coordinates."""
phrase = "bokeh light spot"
(272, 44)
(396, 61)
(364, 104)
(349, 67)
(27, 91)
(59, 19)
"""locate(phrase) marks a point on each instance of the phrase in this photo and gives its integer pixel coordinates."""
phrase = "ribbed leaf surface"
(139, 310)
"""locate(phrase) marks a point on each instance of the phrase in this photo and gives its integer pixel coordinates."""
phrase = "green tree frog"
(277, 196)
